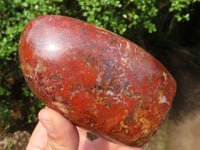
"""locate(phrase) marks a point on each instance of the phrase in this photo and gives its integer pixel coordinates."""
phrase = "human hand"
(54, 132)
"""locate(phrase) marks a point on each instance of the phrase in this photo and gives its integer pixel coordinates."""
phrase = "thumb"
(61, 133)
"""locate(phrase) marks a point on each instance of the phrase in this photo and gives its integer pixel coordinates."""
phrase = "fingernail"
(48, 125)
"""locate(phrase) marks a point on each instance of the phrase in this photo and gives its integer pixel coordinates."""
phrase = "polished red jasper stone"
(99, 80)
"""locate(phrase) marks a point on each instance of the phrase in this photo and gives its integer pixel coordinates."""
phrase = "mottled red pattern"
(97, 79)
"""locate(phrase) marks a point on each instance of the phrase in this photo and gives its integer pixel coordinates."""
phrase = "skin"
(54, 132)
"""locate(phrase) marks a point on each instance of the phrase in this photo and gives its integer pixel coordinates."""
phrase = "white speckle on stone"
(59, 98)
(165, 75)
(92, 125)
(163, 100)
(109, 93)
(62, 107)
(99, 78)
